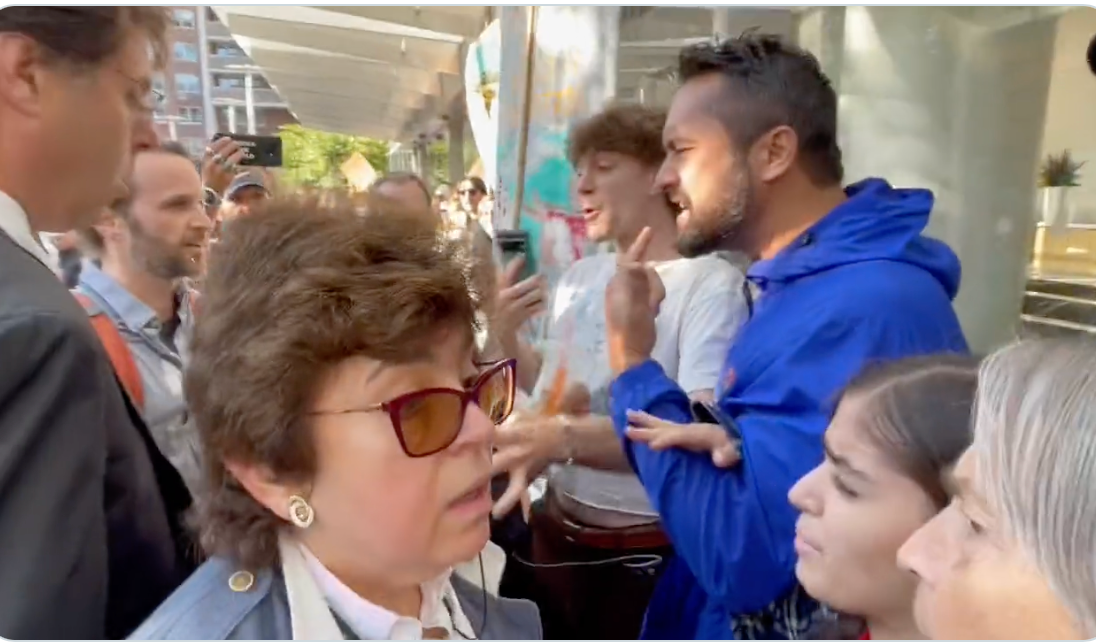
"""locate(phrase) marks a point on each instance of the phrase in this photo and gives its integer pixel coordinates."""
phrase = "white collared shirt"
(440, 608)
(14, 223)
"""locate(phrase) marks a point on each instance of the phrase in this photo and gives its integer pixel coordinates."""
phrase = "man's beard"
(718, 226)
(158, 258)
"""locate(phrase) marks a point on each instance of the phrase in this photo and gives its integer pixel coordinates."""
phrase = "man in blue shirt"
(844, 277)
(149, 245)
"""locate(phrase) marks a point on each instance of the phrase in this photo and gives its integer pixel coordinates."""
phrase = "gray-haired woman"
(1014, 554)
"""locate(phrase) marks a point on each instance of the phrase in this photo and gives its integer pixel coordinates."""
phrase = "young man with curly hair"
(616, 155)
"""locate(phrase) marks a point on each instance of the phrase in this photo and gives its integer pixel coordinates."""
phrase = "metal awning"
(393, 72)
(381, 72)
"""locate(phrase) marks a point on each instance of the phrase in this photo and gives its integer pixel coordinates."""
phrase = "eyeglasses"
(152, 100)
(428, 421)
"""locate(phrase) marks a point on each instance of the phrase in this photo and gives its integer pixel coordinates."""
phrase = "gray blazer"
(207, 607)
(90, 540)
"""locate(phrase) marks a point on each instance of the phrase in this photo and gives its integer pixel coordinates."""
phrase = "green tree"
(312, 158)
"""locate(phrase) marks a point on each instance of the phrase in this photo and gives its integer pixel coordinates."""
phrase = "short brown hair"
(293, 289)
(86, 36)
(169, 147)
(632, 130)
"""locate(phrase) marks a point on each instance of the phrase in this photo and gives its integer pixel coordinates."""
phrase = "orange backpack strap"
(125, 368)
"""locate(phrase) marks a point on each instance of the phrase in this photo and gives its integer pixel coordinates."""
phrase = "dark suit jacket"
(90, 541)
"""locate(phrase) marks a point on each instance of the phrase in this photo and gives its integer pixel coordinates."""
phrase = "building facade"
(211, 86)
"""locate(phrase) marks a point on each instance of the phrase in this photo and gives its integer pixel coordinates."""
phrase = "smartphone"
(259, 151)
(512, 244)
(710, 413)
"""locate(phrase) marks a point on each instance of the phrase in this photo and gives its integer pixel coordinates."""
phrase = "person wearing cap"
(244, 193)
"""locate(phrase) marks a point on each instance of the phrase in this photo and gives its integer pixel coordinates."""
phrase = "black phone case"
(512, 244)
(263, 151)
(709, 413)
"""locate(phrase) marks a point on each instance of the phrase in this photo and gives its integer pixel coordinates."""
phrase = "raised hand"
(220, 164)
(632, 300)
(526, 445)
(523, 449)
(517, 302)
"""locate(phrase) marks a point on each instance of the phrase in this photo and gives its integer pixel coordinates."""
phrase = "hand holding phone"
(514, 244)
(522, 293)
(259, 151)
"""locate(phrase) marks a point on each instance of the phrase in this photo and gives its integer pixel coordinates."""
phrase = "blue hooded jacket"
(861, 285)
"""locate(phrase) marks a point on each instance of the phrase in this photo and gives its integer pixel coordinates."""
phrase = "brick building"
(207, 81)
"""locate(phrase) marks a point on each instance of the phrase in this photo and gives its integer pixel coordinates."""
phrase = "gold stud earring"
(300, 512)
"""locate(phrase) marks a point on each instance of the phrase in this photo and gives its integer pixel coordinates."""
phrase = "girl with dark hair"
(896, 433)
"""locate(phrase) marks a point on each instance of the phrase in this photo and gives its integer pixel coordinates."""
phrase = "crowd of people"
(251, 414)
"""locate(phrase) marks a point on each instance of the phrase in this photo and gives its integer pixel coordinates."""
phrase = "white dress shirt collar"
(14, 223)
(440, 608)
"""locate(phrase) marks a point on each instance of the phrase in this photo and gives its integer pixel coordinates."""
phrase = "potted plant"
(1057, 175)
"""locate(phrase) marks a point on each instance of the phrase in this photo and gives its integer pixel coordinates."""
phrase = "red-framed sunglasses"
(428, 421)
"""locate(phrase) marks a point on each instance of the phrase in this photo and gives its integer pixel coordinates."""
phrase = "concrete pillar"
(647, 93)
(721, 21)
(209, 115)
(456, 142)
(249, 101)
(930, 100)
(574, 71)
(821, 30)
(514, 22)
(231, 109)
(732, 21)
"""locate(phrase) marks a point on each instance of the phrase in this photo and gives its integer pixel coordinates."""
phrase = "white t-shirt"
(698, 319)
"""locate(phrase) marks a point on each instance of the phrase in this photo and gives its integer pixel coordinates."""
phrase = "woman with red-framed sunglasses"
(428, 420)
(347, 433)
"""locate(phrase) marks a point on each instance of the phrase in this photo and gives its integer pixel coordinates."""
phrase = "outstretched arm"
(735, 527)
(726, 524)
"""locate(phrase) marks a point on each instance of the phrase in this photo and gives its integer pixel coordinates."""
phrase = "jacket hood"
(877, 222)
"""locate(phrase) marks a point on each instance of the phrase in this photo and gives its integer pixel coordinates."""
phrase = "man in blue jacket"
(844, 278)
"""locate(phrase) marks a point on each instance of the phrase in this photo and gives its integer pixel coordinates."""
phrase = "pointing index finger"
(638, 250)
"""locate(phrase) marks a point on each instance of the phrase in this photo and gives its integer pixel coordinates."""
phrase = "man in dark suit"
(90, 540)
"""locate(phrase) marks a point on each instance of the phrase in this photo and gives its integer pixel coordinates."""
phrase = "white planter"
(1055, 208)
